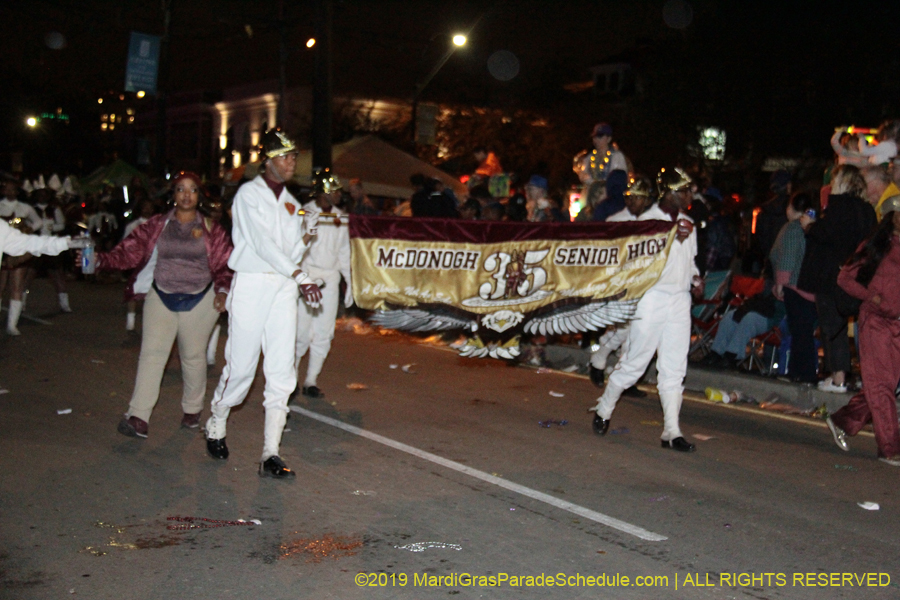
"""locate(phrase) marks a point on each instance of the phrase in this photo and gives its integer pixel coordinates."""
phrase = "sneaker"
(840, 438)
(133, 427)
(828, 385)
(894, 461)
(190, 421)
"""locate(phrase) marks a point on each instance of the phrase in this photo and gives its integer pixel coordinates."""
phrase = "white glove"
(79, 242)
(311, 219)
(348, 297)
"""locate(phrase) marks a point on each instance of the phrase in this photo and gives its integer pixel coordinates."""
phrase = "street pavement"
(423, 484)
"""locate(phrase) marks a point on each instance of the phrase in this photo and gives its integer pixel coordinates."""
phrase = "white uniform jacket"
(268, 232)
(16, 243)
(330, 251)
(10, 209)
(680, 267)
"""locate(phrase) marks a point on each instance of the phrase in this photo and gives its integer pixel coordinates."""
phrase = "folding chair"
(705, 314)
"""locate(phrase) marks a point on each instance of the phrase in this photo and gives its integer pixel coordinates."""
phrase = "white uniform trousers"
(315, 326)
(661, 325)
(262, 309)
(610, 341)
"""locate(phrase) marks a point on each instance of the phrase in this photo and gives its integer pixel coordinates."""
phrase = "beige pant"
(161, 327)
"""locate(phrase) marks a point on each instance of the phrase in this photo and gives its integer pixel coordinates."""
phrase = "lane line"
(505, 484)
(28, 317)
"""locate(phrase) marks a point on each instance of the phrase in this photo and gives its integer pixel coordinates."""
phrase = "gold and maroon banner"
(482, 267)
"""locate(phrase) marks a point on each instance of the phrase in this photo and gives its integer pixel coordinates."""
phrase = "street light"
(31, 121)
(459, 40)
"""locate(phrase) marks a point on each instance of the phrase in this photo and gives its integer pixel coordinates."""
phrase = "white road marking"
(28, 317)
(513, 487)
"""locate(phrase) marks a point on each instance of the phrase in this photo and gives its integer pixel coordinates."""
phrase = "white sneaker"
(828, 385)
(893, 461)
(840, 438)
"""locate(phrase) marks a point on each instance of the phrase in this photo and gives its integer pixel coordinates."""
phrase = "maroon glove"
(685, 228)
(311, 293)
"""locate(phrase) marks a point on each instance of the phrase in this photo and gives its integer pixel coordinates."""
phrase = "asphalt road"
(84, 511)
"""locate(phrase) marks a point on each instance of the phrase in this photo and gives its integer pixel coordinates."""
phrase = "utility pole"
(161, 100)
(322, 85)
(282, 118)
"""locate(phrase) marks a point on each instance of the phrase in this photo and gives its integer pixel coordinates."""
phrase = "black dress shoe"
(598, 376)
(600, 425)
(313, 392)
(680, 444)
(634, 392)
(275, 467)
(217, 448)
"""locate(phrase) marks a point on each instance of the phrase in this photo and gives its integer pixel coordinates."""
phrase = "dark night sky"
(777, 74)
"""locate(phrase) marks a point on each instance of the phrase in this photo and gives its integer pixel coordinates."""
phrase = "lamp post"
(459, 40)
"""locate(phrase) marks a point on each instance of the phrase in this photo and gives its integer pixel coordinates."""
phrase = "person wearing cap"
(638, 197)
(662, 319)
(328, 259)
(270, 235)
(540, 207)
(606, 156)
(14, 269)
(871, 276)
(179, 261)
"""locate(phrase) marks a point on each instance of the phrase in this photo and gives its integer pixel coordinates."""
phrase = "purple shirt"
(182, 266)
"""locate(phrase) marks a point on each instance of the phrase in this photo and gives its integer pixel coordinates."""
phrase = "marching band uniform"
(269, 242)
(328, 259)
(662, 326)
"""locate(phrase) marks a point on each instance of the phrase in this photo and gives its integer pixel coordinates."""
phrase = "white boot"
(24, 300)
(671, 407)
(216, 424)
(129, 322)
(275, 420)
(15, 309)
(213, 345)
(64, 302)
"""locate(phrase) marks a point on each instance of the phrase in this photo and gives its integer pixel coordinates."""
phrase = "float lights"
(459, 40)
(310, 42)
(141, 94)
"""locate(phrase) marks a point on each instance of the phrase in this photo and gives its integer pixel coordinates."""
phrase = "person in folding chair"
(638, 197)
(662, 320)
(754, 317)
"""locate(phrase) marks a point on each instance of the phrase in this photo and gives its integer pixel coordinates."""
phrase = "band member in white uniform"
(328, 259)
(23, 217)
(662, 321)
(638, 197)
(270, 238)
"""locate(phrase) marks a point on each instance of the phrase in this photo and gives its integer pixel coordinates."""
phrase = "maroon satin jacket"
(134, 252)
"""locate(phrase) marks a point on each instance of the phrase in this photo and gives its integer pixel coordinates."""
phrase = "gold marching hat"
(323, 182)
(640, 186)
(276, 143)
(672, 180)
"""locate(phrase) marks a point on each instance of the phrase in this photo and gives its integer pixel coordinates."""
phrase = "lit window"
(712, 140)
(131, 119)
(129, 111)
(103, 126)
(111, 127)
(104, 118)
(112, 118)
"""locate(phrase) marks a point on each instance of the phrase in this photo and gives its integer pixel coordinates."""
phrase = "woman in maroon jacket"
(873, 276)
(180, 261)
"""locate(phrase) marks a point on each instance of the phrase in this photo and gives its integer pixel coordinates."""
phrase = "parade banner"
(501, 279)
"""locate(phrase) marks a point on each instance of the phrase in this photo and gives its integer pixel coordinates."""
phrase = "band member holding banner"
(662, 321)
(638, 197)
(270, 238)
(328, 259)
